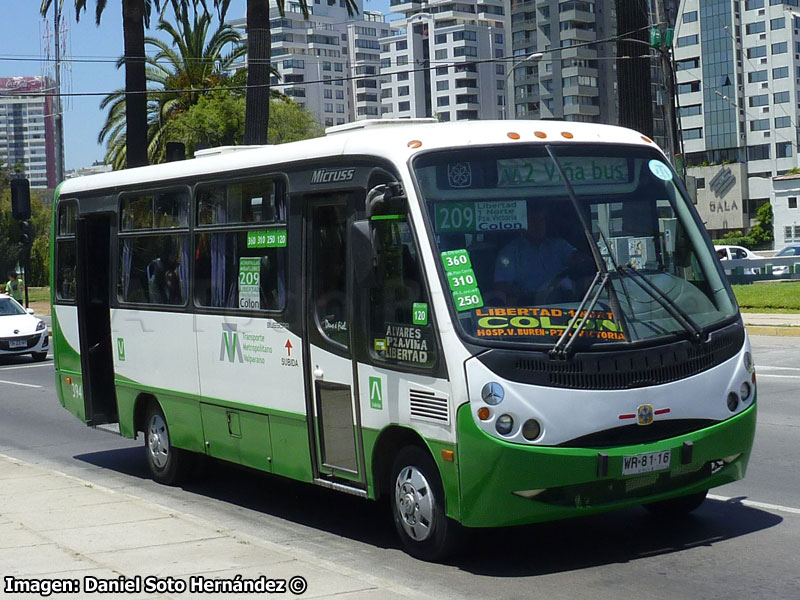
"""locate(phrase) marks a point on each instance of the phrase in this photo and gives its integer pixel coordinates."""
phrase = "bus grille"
(608, 491)
(628, 435)
(618, 370)
(30, 342)
(427, 406)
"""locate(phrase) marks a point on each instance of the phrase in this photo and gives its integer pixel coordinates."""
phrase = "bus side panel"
(66, 344)
(493, 470)
(291, 454)
(385, 400)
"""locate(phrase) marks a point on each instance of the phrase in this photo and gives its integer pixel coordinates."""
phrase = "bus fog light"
(733, 401)
(484, 413)
(493, 393)
(531, 429)
(504, 424)
(748, 362)
(744, 391)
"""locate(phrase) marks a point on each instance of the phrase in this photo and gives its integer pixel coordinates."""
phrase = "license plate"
(645, 463)
(17, 344)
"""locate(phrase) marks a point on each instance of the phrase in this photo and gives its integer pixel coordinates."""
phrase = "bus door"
(93, 237)
(334, 419)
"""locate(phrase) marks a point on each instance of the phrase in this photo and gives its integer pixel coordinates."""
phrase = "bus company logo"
(332, 175)
(230, 346)
(459, 175)
(644, 414)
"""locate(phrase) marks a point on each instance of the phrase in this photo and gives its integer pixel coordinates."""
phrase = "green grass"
(769, 297)
(39, 294)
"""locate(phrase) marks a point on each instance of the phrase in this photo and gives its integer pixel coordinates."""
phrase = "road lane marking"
(768, 368)
(26, 366)
(754, 504)
(762, 375)
(30, 385)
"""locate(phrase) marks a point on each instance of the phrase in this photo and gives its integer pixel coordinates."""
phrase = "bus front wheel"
(677, 507)
(417, 503)
(167, 464)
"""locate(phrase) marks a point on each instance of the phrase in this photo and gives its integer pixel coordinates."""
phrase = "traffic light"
(26, 233)
(21, 199)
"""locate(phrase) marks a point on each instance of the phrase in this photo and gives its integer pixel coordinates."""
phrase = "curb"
(773, 330)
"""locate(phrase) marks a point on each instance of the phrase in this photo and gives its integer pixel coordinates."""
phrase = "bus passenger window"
(65, 251)
(153, 259)
(232, 273)
(329, 275)
(401, 331)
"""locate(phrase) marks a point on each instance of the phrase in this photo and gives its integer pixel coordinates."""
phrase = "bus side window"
(400, 328)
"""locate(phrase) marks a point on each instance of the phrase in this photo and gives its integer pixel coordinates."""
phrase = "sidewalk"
(58, 528)
(772, 323)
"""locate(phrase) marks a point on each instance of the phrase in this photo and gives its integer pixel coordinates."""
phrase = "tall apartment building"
(326, 62)
(445, 58)
(576, 76)
(27, 129)
(738, 68)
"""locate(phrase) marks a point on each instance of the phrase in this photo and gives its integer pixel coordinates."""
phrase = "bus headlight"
(531, 429)
(744, 391)
(504, 424)
(748, 362)
(733, 401)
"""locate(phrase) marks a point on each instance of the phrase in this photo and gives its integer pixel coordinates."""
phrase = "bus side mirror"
(364, 253)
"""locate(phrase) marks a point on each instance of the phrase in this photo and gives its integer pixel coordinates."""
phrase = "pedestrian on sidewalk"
(15, 287)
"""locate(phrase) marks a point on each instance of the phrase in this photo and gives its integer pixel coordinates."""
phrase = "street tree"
(193, 61)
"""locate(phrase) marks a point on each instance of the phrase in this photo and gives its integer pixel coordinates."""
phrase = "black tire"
(677, 507)
(167, 464)
(424, 529)
(39, 356)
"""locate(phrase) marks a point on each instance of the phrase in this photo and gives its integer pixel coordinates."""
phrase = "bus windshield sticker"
(660, 170)
(420, 313)
(543, 321)
(469, 217)
(266, 238)
(249, 276)
(461, 279)
(522, 172)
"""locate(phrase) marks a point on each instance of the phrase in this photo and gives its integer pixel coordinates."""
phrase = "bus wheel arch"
(167, 464)
(405, 471)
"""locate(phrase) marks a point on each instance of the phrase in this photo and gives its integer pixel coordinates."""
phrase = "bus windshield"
(518, 258)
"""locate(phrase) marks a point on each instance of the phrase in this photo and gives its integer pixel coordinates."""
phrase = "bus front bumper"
(510, 484)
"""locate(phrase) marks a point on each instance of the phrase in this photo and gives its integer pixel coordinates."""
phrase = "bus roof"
(396, 140)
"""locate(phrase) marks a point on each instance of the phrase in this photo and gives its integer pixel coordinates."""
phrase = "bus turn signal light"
(483, 413)
(448, 456)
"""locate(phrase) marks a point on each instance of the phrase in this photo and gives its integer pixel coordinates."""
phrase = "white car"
(738, 252)
(787, 251)
(20, 331)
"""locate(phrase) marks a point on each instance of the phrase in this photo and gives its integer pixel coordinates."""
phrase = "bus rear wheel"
(167, 464)
(677, 507)
(417, 504)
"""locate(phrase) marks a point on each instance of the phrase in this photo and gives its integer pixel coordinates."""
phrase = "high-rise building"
(444, 58)
(575, 78)
(328, 63)
(27, 128)
(737, 67)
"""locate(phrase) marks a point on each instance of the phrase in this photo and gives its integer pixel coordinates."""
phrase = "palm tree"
(178, 74)
(259, 58)
(135, 17)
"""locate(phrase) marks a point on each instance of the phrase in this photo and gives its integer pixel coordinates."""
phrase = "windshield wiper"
(667, 303)
(562, 347)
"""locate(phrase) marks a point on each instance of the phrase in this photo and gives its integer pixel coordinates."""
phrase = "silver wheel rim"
(158, 441)
(415, 503)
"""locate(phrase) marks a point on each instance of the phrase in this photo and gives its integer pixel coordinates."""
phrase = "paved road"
(741, 546)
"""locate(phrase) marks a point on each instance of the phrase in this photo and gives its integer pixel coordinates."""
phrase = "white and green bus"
(489, 323)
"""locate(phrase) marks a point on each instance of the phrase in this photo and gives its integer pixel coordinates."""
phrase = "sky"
(94, 51)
